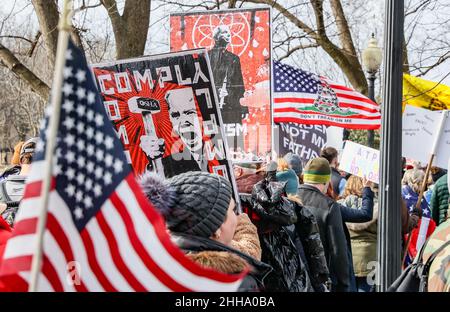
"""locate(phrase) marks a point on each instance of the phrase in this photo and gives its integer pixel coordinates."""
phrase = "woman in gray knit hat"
(198, 208)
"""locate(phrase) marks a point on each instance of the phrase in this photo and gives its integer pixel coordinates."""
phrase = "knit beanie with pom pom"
(193, 202)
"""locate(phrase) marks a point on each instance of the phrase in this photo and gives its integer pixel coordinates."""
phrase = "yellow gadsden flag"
(424, 93)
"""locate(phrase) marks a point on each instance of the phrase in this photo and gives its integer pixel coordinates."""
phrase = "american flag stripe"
(124, 257)
(287, 118)
(73, 245)
(100, 226)
(306, 98)
(294, 106)
(53, 278)
(107, 267)
(63, 244)
(43, 283)
(93, 238)
(56, 273)
(307, 112)
(138, 246)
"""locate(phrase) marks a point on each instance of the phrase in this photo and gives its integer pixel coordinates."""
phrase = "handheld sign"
(303, 140)
(425, 133)
(361, 161)
(165, 111)
(239, 47)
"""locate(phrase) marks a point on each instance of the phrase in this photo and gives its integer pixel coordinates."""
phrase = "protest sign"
(361, 161)
(239, 48)
(303, 140)
(425, 132)
(165, 112)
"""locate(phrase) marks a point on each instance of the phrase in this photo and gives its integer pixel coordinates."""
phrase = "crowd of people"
(296, 227)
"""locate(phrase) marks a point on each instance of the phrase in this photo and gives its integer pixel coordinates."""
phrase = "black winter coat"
(273, 213)
(332, 233)
(308, 232)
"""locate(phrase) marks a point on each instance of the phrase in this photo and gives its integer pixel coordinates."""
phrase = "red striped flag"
(306, 98)
(101, 232)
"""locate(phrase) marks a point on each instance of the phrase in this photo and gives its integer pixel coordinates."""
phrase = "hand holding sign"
(367, 182)
(152, 146)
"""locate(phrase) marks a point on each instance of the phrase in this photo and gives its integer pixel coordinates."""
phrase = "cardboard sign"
(361, 161)
(165, 112)
(239, 48)
(421, 131)
(303, 140)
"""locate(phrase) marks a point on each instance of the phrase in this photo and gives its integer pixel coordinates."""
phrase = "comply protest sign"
(361, 161)
(424, 133)
(165, 112)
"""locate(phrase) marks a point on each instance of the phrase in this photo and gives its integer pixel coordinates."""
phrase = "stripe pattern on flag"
(306, 98)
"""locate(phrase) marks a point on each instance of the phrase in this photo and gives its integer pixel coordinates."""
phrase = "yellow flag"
(424, 93)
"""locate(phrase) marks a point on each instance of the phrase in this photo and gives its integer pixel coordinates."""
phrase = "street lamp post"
(371, 59)
(389, 221)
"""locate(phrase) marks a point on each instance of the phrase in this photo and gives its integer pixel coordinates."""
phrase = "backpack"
(415, 276)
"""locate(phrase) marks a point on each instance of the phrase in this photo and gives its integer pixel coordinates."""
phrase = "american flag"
(101, 232)
(306, 98)
(426, 225)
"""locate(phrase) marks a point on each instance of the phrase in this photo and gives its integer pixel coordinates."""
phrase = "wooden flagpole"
(425, 179)
(63, 39)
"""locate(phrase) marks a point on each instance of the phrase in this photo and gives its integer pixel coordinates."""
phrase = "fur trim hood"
(221, 261)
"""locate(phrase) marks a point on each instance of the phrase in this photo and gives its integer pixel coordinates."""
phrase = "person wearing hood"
(15, 162)
(198, 208)
(287, 175)
(12, 188)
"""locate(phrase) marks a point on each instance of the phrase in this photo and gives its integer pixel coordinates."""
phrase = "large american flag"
(101, 233)
(306, 98)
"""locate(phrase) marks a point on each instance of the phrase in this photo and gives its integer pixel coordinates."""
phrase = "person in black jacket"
(289, 236)
(316, 176)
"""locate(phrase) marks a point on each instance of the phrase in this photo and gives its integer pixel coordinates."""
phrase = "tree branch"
(296, 48)
(17, 37)
(36, 84)
(344, 30)
(441, 60)
(34, 44)
(291, 17)
(48, 17)
(318, 12)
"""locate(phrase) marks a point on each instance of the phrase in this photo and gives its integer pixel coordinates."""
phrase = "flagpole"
(55, 98)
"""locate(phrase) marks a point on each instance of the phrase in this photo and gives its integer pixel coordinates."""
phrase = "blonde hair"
(354, 186)
(295, 198)
(413, 178)
(282, 164)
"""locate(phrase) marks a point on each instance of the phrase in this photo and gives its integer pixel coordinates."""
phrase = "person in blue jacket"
(288, 175)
